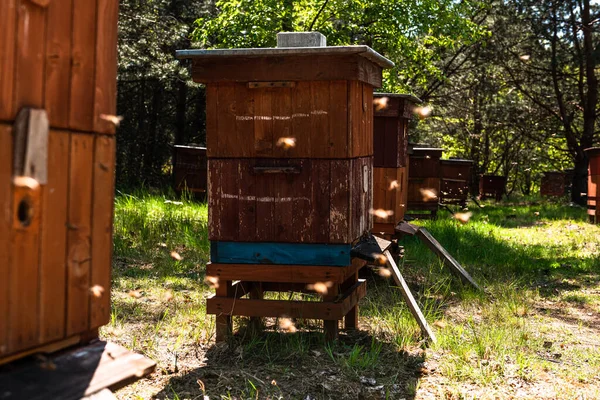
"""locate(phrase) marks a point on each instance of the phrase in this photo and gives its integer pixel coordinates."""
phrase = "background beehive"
(424, 175)
(456, 175)
(59, 56)
(392, 113)
(190, 170)
(593, 182)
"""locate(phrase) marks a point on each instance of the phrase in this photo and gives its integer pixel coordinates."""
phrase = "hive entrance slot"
(24, 212)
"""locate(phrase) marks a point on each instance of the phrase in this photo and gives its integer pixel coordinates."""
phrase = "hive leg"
(256, 293)
(331, 326)
(224, 323)
(351, 319)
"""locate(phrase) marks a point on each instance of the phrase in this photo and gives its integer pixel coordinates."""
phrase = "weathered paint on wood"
(253, 122)
(280, 253)
(53, 245)
(324, 201)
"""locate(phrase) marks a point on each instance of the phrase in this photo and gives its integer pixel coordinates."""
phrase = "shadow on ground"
(301, 366)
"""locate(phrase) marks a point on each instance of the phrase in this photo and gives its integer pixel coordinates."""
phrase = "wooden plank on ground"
(58, 62)
(54, 240)
(105, 97)
(30, 56)
(8, 42)
(6, 166)
(83, 71)
(80, 372)
(407, 228)
(408, 298)
(102, 228)
(79, 232)
(448, 260)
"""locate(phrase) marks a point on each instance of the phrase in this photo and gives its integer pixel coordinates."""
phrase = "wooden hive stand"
(289, 144)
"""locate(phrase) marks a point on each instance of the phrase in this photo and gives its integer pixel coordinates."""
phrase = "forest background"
(512, 84)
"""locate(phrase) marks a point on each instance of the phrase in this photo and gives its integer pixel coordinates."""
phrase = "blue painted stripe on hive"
(280, 253)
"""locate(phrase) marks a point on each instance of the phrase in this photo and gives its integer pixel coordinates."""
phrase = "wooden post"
(257, 293)
(351, 319)
(331, 326)
(223, 323)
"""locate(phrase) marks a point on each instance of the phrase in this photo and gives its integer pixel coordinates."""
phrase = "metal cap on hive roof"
(299, 56)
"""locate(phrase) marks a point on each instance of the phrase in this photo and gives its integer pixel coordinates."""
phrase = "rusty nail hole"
(24, 212)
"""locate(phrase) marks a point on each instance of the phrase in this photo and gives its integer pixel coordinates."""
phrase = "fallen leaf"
(136, 294)
(440, 324)
(168, 295)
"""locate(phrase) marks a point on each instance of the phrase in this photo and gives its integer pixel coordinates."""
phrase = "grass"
(533, 334)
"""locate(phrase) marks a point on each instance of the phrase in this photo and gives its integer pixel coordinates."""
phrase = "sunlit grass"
(524, 254)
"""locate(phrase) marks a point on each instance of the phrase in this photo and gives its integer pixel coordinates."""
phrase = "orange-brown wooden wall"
(60, 56)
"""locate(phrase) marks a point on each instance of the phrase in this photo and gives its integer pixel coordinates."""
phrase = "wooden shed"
(58, 66)
(392, 113)
(289, 144)
(456, 176)
(593, 183)
(424, 182)
(190, 170)
(492, 186)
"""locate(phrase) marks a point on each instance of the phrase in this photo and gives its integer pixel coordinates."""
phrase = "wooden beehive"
(424, 174)
(392, 114)
(190, 170)
(456, 175)
(553, 183)
(492, 186)
(289, 146)
(593, 182)
(290, 163)
(58, 66)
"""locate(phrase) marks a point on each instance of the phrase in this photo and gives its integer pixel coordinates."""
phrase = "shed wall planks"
(102, 211)
(83, 83)
(5, 230)
(54, 234)
(8, 24)
(30, 55)
(79, 232)
(58, 62)
(105, 95)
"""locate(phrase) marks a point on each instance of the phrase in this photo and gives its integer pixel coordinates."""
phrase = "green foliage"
(416, 35)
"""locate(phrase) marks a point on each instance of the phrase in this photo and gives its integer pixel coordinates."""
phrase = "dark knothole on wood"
(25, 212)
